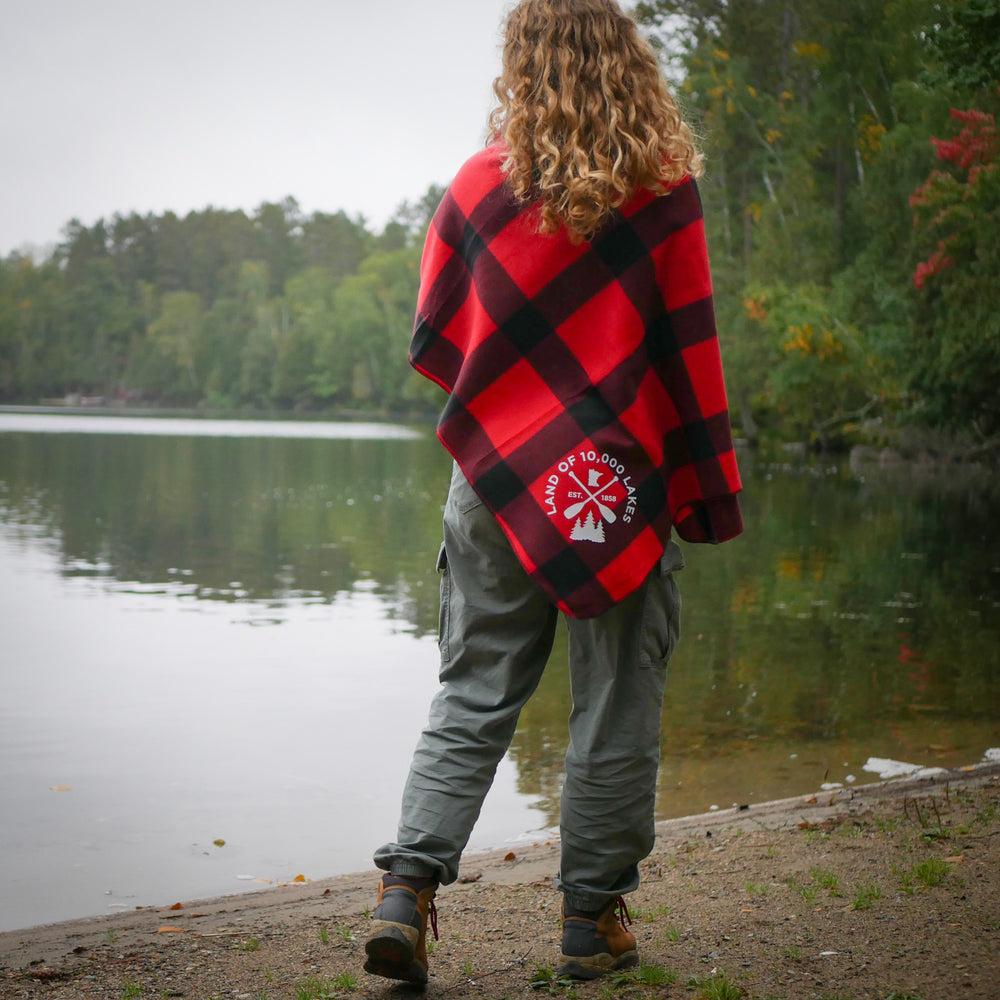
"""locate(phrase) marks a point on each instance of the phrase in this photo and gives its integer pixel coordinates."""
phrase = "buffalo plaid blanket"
(586, 399)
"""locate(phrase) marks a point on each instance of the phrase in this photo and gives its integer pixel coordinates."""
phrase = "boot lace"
(621, 912)
(432, 915)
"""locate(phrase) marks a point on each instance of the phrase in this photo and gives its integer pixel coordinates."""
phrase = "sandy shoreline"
(709, 878)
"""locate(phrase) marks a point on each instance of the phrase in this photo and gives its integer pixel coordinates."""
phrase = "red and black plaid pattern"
(586, 399)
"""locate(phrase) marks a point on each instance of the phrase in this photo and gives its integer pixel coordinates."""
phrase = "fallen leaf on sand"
(510, 856)
(171, 930)
(177, 906)
(61, 788)
(46, 974)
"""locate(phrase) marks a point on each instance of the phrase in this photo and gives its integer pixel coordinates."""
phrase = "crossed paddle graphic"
(606, 512)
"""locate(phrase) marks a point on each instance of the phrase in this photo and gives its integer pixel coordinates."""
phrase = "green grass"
(324, 935)
(865, 894)
(931, 872)
(826, 879)
(987, 814)
(251, 944)
(716, 988)
(654, 975)
(808, 892)
(923, 875)
(130, 990)
(313, 988)
(885, 824)
(813, 835)
(546, 979)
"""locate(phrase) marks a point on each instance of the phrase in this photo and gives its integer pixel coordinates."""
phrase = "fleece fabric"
(586, 403)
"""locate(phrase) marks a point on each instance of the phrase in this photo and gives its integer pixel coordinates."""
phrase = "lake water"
(217, 647)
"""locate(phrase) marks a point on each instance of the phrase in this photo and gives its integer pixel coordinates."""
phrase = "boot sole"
(581, 970)
(390, 955)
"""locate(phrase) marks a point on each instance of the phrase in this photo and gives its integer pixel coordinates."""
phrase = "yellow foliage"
(744, 597)
(721, 53)
(811, 50)
(752, 91)
(794, 568)
(755, 306)
(790, 569)
(870, 134)
(730, 107)
(824, 346)
(829, 346)
(802, 339)
(772, 135)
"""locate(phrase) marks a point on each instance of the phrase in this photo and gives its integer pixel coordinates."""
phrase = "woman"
(565, 306)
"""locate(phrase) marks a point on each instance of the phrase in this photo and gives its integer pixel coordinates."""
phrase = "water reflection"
(30, 420)
(857, 616)
(853, 618)
(263, 519)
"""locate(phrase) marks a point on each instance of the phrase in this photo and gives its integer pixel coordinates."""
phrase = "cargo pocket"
(444, 612)
(461, 493)
(661, 613)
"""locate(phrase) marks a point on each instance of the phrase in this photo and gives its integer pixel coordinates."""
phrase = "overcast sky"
(132, 105)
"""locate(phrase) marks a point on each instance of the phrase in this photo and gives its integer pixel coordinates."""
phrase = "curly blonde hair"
(585, 113)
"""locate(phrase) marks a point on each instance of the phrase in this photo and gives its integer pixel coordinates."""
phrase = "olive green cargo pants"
(496, 633)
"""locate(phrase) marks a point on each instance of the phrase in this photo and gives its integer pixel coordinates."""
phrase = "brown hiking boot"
(596, 942)
(397, 944)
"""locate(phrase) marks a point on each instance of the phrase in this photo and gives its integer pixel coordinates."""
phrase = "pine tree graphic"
(587, 531)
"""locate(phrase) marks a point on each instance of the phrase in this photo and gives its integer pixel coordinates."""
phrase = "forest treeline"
(852, 199)
(274, 310)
